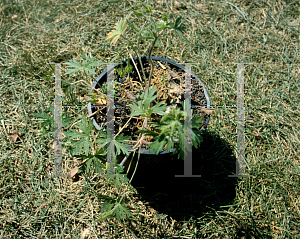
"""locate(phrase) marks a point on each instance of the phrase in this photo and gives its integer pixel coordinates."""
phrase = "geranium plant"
(162, 121)
(168, 128)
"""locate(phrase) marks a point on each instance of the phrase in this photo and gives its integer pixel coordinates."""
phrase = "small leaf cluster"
(47, 123)
(143, 102)
(170, 132)
(81, 140)
(149, 32)
(98, 159)
(79, 146)
(118, 142)
(87, 65)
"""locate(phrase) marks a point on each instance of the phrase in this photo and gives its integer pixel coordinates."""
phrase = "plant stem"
(151, 63)
(139, 58)
(149, 58)
(123, 127)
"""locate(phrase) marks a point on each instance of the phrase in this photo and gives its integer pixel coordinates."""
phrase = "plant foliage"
(168, 131)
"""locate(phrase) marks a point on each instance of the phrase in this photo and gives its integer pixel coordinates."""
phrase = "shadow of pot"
(185, 197)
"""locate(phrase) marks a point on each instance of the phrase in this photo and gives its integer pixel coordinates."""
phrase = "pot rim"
(109, 69)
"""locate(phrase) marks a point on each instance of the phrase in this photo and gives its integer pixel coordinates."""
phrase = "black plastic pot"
(103, 78)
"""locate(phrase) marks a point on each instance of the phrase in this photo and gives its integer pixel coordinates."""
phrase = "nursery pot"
(164, 64)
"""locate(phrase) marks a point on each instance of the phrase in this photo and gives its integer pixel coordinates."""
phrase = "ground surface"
(263, 34)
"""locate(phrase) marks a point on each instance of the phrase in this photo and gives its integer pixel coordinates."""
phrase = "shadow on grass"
(182, 198)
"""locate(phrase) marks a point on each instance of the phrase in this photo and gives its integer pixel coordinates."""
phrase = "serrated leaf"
(82, 126)
(97, 159)
(179, 29)
(43, 116)
(106, 210)
(157, 146)
(73, 64)
(135, 110)
(107, 198)
(66, 121)
(170, 145)
(49, 119)
(196, 138)
(173, 125)
(108, 206)
(120, 147)
(102, 142)
(120, 212)
(149, 112)
(150, 97)
(86, 65)
(98, 165)
(142, 108)
(88, 164)
(83, 165)
(117, 142)
(104, 215)
(123, 178)
(165, 130)
(83, 144)
(120, 28)
(158, 109)
(72, 134)
(117, 183)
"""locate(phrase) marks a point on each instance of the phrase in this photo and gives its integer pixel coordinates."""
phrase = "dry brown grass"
(264, 34)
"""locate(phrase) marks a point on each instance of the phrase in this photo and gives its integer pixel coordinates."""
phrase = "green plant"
(171, 124)
(168, 128)
(164, 123)
(151, 32)
(87, 65)
(47, 124)
(170, 131)
(79, 145)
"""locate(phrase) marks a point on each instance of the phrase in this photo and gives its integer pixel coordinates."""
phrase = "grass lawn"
(262, 34)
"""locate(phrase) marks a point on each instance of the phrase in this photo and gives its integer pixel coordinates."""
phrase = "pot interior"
(168, 77)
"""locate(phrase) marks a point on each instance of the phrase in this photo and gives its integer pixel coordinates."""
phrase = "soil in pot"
(169, 81)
